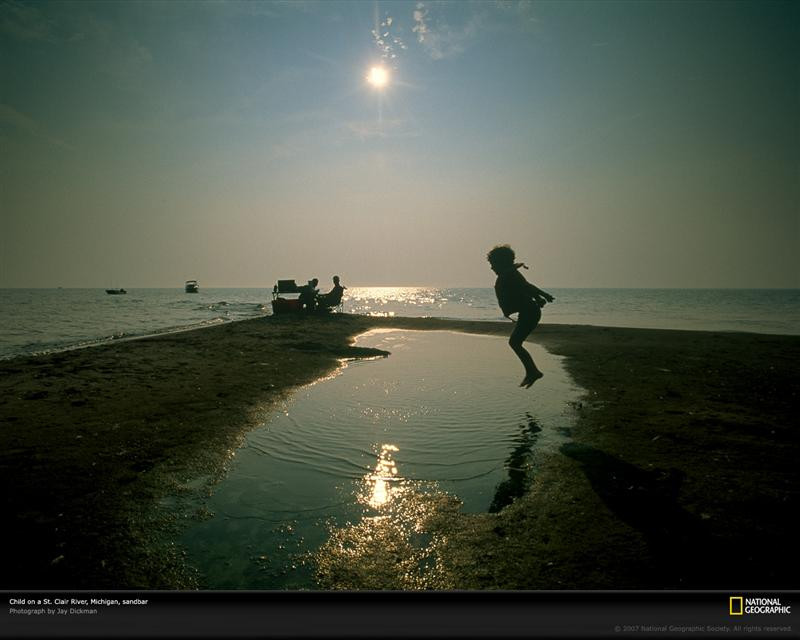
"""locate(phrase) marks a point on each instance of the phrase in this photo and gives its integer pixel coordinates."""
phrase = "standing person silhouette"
(516, 295)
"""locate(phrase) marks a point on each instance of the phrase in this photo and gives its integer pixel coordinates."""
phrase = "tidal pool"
(371, 451)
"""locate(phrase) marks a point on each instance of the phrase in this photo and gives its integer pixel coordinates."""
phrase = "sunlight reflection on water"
(388, 301)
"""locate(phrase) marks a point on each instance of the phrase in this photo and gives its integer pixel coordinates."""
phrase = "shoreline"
(695, 425)
(91, 343)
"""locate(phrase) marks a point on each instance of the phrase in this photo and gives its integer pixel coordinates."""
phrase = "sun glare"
(378, 77)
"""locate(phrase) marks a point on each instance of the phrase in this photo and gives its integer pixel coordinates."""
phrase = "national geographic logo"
(739, 606)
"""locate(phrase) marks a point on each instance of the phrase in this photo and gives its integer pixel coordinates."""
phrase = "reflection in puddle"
(385, 473)
(394, 550)
(358, 474)
(518, 465)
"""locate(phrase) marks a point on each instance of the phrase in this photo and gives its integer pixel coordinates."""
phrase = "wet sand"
(681, 473)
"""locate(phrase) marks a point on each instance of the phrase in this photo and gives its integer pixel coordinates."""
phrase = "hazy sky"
(639, 144)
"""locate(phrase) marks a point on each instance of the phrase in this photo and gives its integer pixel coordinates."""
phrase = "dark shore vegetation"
(682, 471)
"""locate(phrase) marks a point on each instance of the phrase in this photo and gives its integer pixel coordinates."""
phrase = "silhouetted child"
(516, 295)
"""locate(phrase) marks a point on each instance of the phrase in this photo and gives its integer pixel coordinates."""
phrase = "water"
(756, 310)
(373, 446)
(41, 320)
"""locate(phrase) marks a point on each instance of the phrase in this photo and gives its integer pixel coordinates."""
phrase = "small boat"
(296, 305)
(192, 286)
(284, 305)
(115, 292)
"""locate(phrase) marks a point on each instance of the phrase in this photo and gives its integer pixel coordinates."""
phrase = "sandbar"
(682, 472)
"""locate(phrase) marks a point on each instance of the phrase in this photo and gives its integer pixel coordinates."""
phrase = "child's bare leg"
(532, 373)
(524, 326)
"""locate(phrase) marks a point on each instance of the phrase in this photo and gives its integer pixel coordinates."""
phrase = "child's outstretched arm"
(538, 294)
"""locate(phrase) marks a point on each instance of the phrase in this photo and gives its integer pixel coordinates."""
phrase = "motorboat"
(280, 304)
(192, 286)
(285, 305)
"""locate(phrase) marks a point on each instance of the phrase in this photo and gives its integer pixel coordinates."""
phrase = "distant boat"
(192, 286)
(115, 292)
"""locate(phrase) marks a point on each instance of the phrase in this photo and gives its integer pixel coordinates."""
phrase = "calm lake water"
(42, 320)
(370, 446)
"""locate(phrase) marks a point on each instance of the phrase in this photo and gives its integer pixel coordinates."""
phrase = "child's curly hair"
(502, 255)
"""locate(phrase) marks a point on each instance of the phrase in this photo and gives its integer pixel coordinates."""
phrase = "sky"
(633, 144)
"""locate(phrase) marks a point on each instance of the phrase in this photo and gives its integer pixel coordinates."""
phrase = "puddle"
(372, 452)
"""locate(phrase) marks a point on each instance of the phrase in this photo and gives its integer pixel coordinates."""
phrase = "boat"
(192, 286)
(285, 305)
(281, 304)
(115, 292)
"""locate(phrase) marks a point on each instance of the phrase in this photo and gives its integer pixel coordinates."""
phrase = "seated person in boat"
(334, 296)
(308, 295)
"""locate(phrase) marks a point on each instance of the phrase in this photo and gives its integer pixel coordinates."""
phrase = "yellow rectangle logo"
(737, 605)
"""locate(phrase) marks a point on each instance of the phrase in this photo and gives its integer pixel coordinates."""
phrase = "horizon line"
(427, 286)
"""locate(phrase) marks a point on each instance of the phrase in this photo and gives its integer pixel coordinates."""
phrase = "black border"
(406, 614)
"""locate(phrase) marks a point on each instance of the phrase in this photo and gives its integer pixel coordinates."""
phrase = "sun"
(378, 77)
